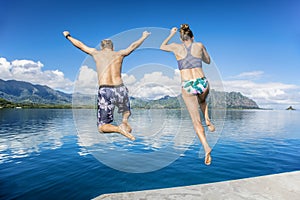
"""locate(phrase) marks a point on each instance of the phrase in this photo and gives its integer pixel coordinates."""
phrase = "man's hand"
(146, 34)
(66, 33)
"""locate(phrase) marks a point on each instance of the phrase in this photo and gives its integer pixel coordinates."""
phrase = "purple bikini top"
(189, 61)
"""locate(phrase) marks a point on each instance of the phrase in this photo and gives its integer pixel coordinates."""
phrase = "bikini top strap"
(188, 48)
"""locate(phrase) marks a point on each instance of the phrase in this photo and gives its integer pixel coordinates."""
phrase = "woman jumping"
(195, 87)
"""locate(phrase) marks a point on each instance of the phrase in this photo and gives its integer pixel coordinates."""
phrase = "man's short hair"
(107, 43)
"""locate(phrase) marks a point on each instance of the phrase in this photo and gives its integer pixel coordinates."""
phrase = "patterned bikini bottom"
(195, 86)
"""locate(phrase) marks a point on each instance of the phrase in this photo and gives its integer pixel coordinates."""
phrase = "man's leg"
(124, 108)
(125, 123)
(105, 113)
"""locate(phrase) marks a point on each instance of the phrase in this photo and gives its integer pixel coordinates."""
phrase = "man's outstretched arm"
(135, 45)
(78, 43)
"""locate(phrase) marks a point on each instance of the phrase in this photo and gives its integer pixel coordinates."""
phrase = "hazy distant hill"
(20, 91)
(215, 99)
(24, 92)
(237, 100)
(233, 100)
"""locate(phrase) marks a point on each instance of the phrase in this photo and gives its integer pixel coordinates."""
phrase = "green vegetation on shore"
(7, 104)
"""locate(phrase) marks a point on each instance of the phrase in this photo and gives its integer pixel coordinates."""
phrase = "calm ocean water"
(43, 157)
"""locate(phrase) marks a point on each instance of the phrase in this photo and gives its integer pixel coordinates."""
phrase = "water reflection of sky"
(254, 124)
(162, 136)
(163, 132)
(26, 131)
(253, 143)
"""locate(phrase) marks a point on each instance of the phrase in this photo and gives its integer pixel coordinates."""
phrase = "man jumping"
(112, 92)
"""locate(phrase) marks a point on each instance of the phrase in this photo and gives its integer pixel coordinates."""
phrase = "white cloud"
(5, 67)
(157, 84)
(154, 85)
(87, 81)
(30, 71)
(151, 86)
(249, 75)
(268, 94)
(128, 79)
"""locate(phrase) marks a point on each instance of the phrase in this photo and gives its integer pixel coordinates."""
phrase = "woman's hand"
(173, 31)
(169, 47)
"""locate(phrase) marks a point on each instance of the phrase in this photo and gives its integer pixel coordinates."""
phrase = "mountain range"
(25, 92)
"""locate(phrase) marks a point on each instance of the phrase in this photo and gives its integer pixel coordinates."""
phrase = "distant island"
(290, 108)
(20, 94)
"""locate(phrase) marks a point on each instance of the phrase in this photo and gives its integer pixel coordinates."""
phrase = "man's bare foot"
(123, 131)
(210, 126)
(207, 160)
(127, 127)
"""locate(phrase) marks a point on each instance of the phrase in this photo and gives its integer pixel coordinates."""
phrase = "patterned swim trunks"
(108, 98)
(195, 86)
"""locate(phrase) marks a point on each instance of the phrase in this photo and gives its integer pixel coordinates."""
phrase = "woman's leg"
(191, 102)
(204, 109)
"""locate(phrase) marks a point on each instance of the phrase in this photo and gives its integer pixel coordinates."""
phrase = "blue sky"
(255, 43)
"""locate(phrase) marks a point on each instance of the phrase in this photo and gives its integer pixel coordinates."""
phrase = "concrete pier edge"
(276, 186)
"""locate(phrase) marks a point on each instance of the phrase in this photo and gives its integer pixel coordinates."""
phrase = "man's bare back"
(109, 66)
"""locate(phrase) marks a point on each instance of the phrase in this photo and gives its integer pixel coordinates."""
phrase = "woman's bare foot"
(210, 126)
(123, 130)
(207, 160)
